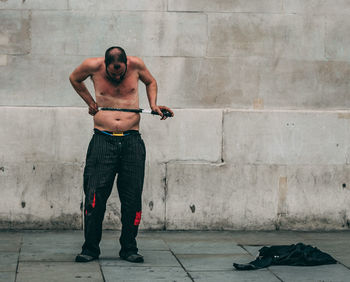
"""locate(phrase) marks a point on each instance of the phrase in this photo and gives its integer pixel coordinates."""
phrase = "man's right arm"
(77, 77)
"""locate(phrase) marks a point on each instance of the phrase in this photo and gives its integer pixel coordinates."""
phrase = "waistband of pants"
(116, 134)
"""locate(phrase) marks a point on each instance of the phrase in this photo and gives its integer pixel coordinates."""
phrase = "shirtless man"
(116, 146)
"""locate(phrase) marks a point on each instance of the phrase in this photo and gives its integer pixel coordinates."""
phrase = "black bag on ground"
(299, 254)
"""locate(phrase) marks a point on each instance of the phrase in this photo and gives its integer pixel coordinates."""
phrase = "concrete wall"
(260, 89)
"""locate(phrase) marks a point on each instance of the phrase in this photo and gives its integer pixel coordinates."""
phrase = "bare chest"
(127, 89)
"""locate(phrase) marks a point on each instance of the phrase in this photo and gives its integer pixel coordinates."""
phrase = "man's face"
(116, 71)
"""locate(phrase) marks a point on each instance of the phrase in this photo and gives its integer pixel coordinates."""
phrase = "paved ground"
(169, 256)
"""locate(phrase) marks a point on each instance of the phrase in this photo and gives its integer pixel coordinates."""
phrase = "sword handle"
(165, 113)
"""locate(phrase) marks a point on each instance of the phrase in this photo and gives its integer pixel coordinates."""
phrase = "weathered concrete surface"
(240, 82)
(166, 141)
(38, 134)
(153, 258)
(169, 256)
(282, 169)
(313, 7)
(8, 261)
(316, 196)
(119, 5)
(62, 135)
(268, 35)
(207, 196)
(49, 246)
(154, 273)
(191, 135)
(261, 96)
(38, 81)
(187, 83)
(159, 34)
(286, 137)
(229, 275)
(34, 4)
(204, 196)
(7, 276)
(3, 60)
(201, 246)
(318, 273)
(59, 271)
(41, 180)
(323, 85)
(109, 5)
(337, 45)
(148, 241)
(40, 195)
(15, 32)
(201, 83)
(48, 163)
(268, 6)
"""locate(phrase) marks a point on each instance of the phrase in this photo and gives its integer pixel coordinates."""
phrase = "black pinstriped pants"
(106, 157)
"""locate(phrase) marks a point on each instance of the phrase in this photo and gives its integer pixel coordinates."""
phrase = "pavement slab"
(246, 276)
(332, 246)
(152, 244)
(169, 256)
(10, 241)
(253, 250)
(7, 276)
(58, 272)
(111, 247)
(8, 261)
(53, 237)
(205, 247)
(14, 235)
(148, 273)
(51, 246)
(327, 236)
(332, 272)
(52, 252)
(343, 259)
(8, 245)
(204, 262)
(263, 238)
(196, 235)
(152, 258)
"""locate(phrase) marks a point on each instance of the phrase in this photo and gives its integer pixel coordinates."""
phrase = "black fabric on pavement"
(296, 254)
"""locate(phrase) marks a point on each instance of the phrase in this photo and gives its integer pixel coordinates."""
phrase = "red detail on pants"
(85, 212)
(137, 218)
(94, 201)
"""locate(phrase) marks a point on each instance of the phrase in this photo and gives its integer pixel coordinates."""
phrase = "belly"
(116, 121)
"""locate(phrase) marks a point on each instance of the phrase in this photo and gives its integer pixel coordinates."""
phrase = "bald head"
(115, 54)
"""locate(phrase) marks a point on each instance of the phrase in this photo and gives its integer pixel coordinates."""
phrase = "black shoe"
(131, 257)
(84, 258)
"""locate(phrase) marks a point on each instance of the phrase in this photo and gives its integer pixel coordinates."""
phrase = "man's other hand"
(159, 109)
(93, 108)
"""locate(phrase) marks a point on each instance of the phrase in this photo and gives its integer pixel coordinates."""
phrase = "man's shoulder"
(94, 64)
(135, 62)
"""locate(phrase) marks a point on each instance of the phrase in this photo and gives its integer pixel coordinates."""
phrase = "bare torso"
(117, 95)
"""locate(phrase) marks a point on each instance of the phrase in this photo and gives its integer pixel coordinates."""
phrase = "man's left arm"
(151, 89)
